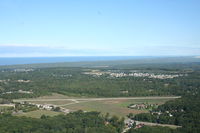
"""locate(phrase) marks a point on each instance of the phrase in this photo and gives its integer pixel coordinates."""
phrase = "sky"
(46, 28)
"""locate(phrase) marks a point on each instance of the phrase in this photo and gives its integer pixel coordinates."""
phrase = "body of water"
(34, 60)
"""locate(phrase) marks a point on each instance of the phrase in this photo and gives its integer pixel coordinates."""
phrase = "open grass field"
(39, 113)
(103, 107)
(4, 107)
(125, 103)
(114, 106)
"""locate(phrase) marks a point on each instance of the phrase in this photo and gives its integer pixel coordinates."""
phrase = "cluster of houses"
(4, 80)
(160, 113)
(51, 107)
(62, 75)
(142, 106)
(148, 75)
(138, 106)
(133, 74)
(19, 91)
(18, 70)
(25, 92)
(23, 81)
(129, 123)
(96, 73)
(23, 70)
(44, 106)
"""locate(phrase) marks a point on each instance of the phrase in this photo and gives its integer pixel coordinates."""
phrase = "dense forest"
(77, 122)
(73, 81)
(156, 129)
(184, 112)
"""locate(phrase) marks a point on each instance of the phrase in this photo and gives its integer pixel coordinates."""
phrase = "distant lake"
(33, 60)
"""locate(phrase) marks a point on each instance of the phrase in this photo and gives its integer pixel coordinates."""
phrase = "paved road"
(150, 124)
(156, 124)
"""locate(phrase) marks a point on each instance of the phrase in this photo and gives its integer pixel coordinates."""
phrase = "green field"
(4, 107)
(113, 106)
(38, 113)
(103, 107)
(150, 101)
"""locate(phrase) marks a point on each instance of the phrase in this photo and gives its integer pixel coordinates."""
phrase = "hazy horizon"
(68, 59)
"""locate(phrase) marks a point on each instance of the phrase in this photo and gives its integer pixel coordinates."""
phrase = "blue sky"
(34, 28)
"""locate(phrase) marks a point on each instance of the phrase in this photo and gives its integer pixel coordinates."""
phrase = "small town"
(21, 107)
(99, 73)
(142, 106)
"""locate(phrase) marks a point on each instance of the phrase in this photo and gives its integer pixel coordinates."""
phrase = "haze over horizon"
(51, 28)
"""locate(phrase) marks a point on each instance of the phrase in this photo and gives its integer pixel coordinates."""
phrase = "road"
(156, 124)
(150, 124)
